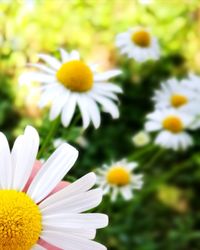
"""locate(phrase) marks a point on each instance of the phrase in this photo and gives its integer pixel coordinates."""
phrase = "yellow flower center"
(141, 38)
(20, 221)
(76, 76)
(173, 124)
(178, 100)
(118, 176)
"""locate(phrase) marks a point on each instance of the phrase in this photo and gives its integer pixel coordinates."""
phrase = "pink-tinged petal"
(36, 168)
(47, 245)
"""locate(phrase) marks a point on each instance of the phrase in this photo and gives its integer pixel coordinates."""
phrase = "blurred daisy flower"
(172, 125)
(118, 178)
(178, 96)
(70, 82)
(138, 43)
(192, 82)
(32, 213)
(141, 139)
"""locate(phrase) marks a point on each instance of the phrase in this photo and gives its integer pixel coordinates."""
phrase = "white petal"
(93, 111)
(77, 204)
(64, 55)
(52, 172)
(58, 103)
(82, 104)
(81, 185)
(61, 240)
(152, 126)
(88, 234)
(108, 105)
(6, 172)
(108, 87)
(126, 192)
(38, 247)
(114, 194)
(42, 67)
(81, 221)
(23, 157)
(105, 93)
(50, 93)
(74, 55)
(68, 110)
(37, 77)
(106, 75)
(52, 61)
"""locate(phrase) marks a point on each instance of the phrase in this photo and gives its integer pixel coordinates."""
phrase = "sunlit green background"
(165, 214)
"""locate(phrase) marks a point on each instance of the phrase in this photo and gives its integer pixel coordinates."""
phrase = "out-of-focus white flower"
(172, 125)
(138, 43)
(118, 178)
(28, 209)
(192, 82)
(70, 82)
(141, 139)
(175, 94)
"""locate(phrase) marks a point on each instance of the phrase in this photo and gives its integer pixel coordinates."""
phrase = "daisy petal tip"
(105, 220)
(31, 131)
(92, 176)
(70, 149)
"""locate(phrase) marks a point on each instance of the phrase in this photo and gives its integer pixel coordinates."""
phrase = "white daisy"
(138, 43)
(192, 82)
(71, 82)
(119, 178)
(141, 139)
(173, 94)
(172, 125)
(30, 213)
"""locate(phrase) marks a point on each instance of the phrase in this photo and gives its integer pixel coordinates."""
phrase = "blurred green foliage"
(165, 214)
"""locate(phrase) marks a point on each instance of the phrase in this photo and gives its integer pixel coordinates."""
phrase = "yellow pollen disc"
(173, 124)
(76, 76)
(20, 221)
(118, 176)
(178, 100)
(141, 38)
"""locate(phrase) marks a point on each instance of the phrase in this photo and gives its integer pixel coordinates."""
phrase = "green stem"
(49, 136)
(155, 157)
(141, 152)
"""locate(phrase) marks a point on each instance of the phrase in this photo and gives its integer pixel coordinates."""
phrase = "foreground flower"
(30, 213)
(119, 178)
(172, 125)
(175, 94)
(71, 82)
(141, 139)
(138, 43)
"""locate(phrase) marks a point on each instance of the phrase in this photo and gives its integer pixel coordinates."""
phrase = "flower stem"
(138, 154)
(49, 136)
(155, 157)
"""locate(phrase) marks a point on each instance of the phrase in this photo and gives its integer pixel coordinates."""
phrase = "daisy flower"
(138, 43)
(31, 213)
(118, 178)
(192, 82)
(173, 94)
(172, 125)
(70, 82)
